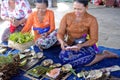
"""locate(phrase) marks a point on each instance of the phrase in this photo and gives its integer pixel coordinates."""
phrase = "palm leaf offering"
(29, 59)
(21, 38)
(38, 71)
(61, 73)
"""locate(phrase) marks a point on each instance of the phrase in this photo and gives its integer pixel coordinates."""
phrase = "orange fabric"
(87, 25)
(33, 21)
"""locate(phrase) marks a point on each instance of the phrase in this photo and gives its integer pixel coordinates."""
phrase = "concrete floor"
(108, 19)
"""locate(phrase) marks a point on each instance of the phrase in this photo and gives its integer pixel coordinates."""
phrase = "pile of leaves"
(21, 37)
(9, 66)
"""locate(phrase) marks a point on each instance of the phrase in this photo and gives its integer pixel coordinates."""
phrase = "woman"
(77, 50)
(43, 24)
(16, 12)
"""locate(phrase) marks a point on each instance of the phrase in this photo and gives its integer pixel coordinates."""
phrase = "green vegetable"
(73, 71)
(21, 38)
(6, 60)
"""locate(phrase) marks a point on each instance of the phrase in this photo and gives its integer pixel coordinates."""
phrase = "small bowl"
(47, 62)
(66, 67)
(40, 55)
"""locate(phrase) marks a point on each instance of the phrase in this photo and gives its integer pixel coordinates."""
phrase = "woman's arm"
(29, 23)
(62, 28)
(25, 7)
(62, 32)
(19, 22)
(22, 21)
(4, 14)
(52, 22)
(93, 32)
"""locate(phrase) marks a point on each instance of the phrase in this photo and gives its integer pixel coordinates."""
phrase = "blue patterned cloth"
(52, 53)
(47, 42)
(82, 57)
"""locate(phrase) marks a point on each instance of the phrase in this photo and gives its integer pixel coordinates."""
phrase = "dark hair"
(84, 2)
(42, 1)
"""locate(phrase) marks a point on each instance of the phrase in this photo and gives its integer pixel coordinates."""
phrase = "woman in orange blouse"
(43, 24)
(77, 50)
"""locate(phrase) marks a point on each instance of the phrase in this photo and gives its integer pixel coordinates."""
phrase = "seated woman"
(43, 25)
(16, 12)
(77, 50)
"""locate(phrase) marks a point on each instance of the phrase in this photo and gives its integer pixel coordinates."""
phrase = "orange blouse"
(33, 21)
(74, 30)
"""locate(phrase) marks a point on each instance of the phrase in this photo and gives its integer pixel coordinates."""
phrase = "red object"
(12, 28)
(110, 3)
(98, 2)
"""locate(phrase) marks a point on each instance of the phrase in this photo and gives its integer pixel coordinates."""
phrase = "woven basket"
(18, 46)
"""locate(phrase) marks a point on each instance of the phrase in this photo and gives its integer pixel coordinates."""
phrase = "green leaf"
(21, 37)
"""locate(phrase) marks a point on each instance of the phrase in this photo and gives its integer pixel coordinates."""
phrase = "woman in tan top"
(76, 49)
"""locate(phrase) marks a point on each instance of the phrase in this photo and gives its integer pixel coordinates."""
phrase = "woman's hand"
(16, 23)
(63, 45)
(9, 19)
(74, 47)
(44, 35)
(79, 46)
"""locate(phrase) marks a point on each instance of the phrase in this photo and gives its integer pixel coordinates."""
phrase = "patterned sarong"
(82, 57)
(48, 41)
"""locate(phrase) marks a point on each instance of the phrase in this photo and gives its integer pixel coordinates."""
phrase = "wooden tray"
(31, 63)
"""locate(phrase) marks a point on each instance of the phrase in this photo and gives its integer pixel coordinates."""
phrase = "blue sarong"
(84, 56)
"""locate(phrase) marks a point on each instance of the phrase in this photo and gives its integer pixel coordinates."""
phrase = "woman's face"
(41, 8)
(79, 9)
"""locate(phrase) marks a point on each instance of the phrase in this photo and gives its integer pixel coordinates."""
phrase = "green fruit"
(35, 70)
